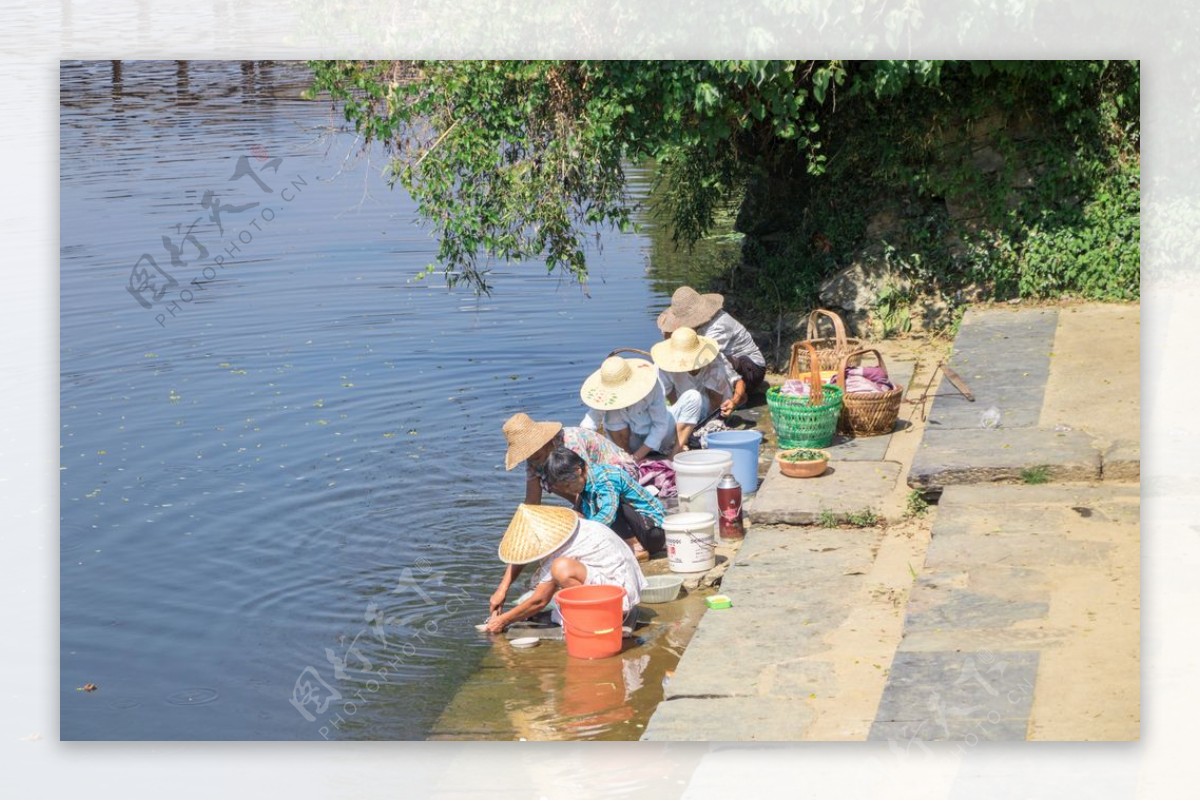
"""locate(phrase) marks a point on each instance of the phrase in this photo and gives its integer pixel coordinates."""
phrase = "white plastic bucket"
(696, 477)
(691, 541)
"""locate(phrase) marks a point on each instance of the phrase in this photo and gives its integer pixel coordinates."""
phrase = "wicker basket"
(830, 351)
(869, 414)
(806, 422)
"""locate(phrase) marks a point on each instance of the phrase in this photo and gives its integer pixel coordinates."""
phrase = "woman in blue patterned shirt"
(608, 495)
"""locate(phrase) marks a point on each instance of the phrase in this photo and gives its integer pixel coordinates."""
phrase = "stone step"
(846, 488)
(991, 455)
(995, 626)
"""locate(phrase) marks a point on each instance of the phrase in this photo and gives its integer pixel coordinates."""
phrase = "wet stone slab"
(957, 696)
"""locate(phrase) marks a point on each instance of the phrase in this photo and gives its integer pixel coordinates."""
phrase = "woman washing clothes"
(697, 379)
(531, 442)
(625, 398)
(570, 551)
(607, 495)
(705, 315)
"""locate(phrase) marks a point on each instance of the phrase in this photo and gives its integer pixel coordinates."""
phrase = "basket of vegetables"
(802, 462)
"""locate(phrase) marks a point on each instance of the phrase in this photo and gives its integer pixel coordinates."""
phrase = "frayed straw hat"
(536, 532)
(525, 437)
(689, 308)
(618, 383)
(684, 351)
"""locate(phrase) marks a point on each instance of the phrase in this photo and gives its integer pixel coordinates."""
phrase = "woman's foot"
(639, 553)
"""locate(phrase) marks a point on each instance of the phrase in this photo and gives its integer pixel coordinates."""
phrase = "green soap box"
(718, 601)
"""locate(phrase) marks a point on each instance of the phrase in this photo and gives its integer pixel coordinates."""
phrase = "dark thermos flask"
(729, 505)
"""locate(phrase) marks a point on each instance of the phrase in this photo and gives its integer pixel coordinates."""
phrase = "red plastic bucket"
(592, 617)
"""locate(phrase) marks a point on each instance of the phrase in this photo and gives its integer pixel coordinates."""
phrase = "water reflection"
(544, 694)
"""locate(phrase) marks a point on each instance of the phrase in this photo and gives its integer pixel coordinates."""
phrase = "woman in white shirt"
(625, 398)
(697, 379)
(570, 551)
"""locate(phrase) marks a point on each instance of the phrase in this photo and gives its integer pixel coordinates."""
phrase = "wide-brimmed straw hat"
(689, 309)
(685, 350)
(619, 382)
(535, 532)
(526, 437)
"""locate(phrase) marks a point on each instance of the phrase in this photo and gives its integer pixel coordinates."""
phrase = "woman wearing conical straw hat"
(625, 398)
(704, 314)
(569, 551)
(531, 442)
(697, 379)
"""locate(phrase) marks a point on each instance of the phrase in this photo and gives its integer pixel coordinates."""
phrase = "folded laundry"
(867, 379)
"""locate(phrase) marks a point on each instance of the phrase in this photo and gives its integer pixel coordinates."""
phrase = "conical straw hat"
(535, 532)
(525, 437)
(618, 383)
(684, 351)
(689, 308)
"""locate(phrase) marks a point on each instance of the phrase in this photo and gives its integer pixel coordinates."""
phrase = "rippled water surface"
(282, 484)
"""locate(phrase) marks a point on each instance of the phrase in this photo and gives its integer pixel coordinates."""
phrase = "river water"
(282, 478)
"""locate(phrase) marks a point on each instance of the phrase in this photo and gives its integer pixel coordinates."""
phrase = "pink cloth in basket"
(868, 379)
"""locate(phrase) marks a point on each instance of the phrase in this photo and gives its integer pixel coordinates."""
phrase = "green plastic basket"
(798, 424)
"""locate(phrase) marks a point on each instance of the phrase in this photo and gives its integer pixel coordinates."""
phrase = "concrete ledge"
(989, 455)
(846, 488)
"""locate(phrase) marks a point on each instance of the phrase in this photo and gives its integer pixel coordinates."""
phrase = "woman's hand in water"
(496, 602)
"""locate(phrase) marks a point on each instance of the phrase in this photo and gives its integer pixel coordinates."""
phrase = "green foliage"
(1091, 249)
(827, 519)
(917, 505)
(1035, 475)
(1019, 176)
(864, 518)
(783, 278)
(803, 455)
(893, 310)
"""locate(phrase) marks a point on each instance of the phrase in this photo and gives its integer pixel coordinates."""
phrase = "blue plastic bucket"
(743, 445)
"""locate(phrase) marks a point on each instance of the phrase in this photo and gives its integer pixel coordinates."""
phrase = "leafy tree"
(520, 159)
(514, 160)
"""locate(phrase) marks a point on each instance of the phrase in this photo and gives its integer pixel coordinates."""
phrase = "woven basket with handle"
(830, 351)
(806, 422)
(868, 414)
